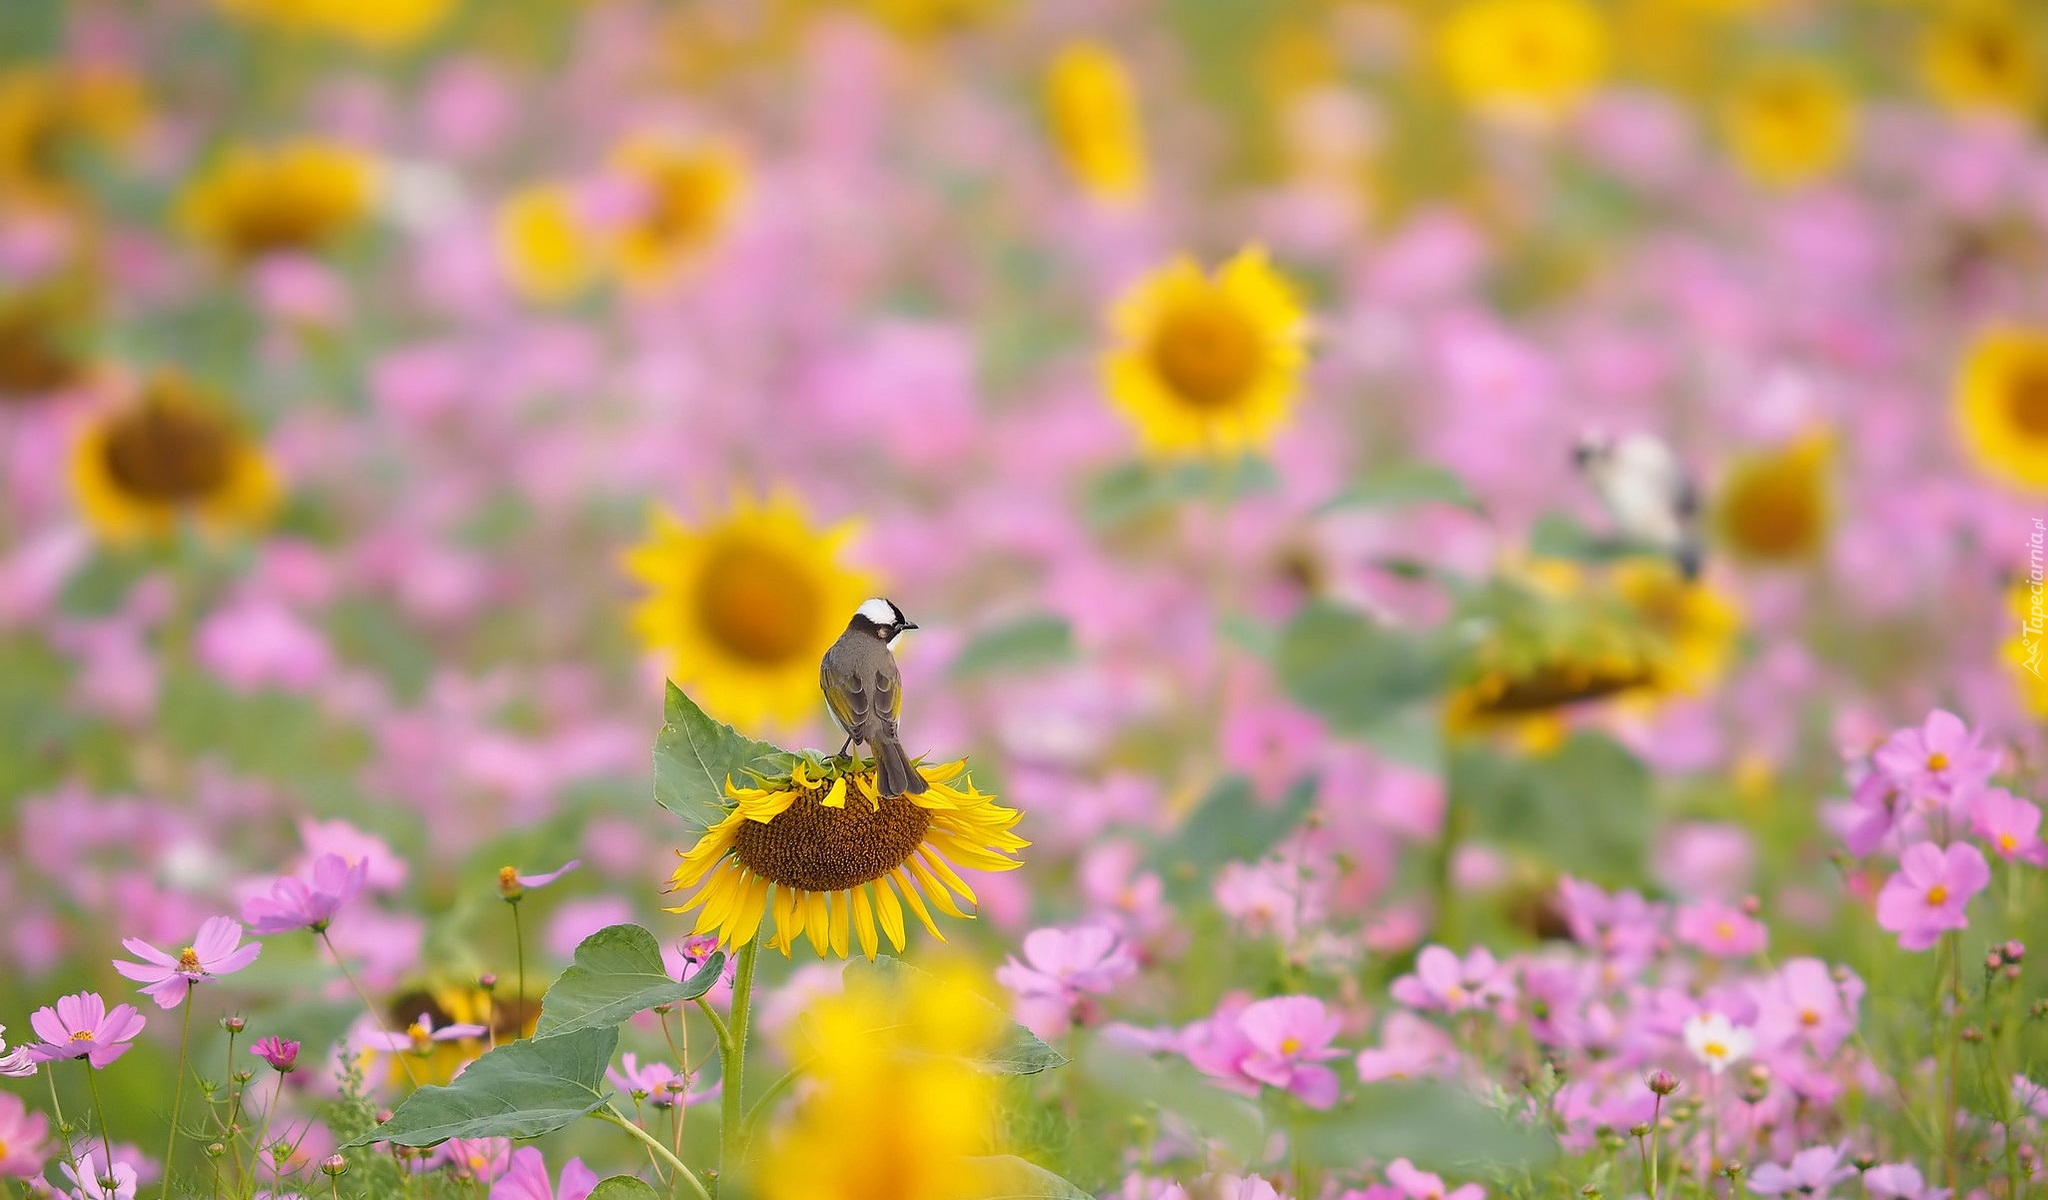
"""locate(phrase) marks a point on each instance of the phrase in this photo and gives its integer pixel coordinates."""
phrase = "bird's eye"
(882, 632)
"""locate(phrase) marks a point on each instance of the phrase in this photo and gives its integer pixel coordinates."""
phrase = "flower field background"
(1475, 568)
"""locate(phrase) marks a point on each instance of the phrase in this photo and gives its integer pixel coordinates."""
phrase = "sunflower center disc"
(159, 452)
(759, 606)
(1207, 353)
(818, 849)
(2028, 400)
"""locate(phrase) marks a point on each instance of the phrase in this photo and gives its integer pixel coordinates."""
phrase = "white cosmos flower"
(1717, 1041)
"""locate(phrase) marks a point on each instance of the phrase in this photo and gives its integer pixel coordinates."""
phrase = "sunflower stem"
(611, 1116)
(767, 1098)
(732, 1136)
(717, 1027)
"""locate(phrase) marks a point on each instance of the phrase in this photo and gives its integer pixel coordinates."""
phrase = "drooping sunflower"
(1980, 55)
(1788, 123)
(300, 196)
(1775, 507)
(543, 248)
(811, 848)
(1089, 103)
(745, 606)
(173, 453)
(2002, 404)
(688, 193)
(1525, 59)
(1208, 363)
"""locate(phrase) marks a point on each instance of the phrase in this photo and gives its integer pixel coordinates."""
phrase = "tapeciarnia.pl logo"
(2037, 610)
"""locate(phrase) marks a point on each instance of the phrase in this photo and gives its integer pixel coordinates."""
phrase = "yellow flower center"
(3, 1151)
(2008, 842)
(188, 961)
(421, 1040)
(1290, 1045)
(1937, 896)
(1724, 930)
(1455, 994)
(1808, 1017)
(169, 451)
(816, 849)
(83, 1035)
(1775, 508)
(1714, 1050)
(1208, 352)
(1937, 761)
(686, 201)
(2026, 400)
(758, 604)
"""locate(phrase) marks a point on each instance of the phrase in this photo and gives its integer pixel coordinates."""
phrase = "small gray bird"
(865, 693)
(1645, 492)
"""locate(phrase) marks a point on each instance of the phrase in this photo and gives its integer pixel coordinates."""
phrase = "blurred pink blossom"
(1931, 892)
(216, 951)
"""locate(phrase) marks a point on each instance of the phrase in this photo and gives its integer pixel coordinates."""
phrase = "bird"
(865, 693)
(1646, 493)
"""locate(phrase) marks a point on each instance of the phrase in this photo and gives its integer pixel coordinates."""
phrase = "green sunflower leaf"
(1436, 1126)
(618, 972)
(519, 1090)
(1033, 641)
(1355, 673)
(694, 755)
(1007, 1177)
(1172, 1086)
(624, 1187)
(1016, 1051)
(1586, 808)
(1403, 483)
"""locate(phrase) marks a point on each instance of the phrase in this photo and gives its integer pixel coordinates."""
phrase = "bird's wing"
(846, 698)
(889, 694)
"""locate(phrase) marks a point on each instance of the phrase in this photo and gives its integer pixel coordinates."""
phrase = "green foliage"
(1007, 1177)
(1019, 645)
(519, 1090)
(1437, 1127)
(1138, 490)
(1171, 1086)
(1357, 674)
(618, 972)
(1230, 824)
(1404, 483)
(1017, 1051)
(1584, 808)
(693, 757)
(623, 1187)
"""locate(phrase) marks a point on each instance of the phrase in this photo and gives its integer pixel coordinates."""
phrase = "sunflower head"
(41, 350)
(823, 849)
(1090, 104)
(1774, 507)
(545, 251)
(172, 453)
(1788, 123)
(1525, 59)
(745, 606)
(1981, 55)
(445, 1004)
(2002, 404)
(687, 195)
(300, 196)
(1208, 363)
(43, 113)
(1696, 623)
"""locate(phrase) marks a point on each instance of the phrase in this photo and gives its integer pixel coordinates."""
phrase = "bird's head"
(880, 618)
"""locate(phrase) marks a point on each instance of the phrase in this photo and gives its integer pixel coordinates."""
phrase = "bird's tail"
(894, 774)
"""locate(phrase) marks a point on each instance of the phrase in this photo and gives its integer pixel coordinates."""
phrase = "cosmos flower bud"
(234, 1024)
(1972, 1034)
(1662, 1082)
(1641, 1129)
(1731, 1170)
(1993, 961)
(508, 884)
(2013, 973)
(215, 1149)
(333, 1164)
(383, 1115)
(487, 982)
(1751, 905)
(1863, 1162)
(2015, 951)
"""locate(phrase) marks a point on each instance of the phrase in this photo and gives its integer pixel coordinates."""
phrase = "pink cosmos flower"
(418, 1037)
(527, 1179)
(89, 1183)
(1290, 1036)
(1899, 1181)
(82, 1026)
(1622, 926)
(1721, 930)
(1409, 1048)
(1933, 761)
(218, 950)
(1811, 1173)
(281, 1053)
(294, 903)
(1931, 892)
(386, 871)
(658, 1083)
(17, 1063)
(1805, 1002)
(1875, 808)
(1442, 983)
(483, 1160)
(1065, 968)
(513, 886)
(1421, 1185)
(22, 1153)
(2010, 825)
(254, 644)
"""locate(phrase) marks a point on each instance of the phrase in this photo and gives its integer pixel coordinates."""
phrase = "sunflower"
(1094, 118)
(445, 1004)
(1981, 55)
(2002, 404)
(299, 196)
(1523, 58)
(746, 606)
(1697, 624)
(172, 453)
(1775, 507)
(688, 193)
(43, 112)
(1208, 363)
(546, 254)
(811, 847)
(1788, 123)
(40, 343)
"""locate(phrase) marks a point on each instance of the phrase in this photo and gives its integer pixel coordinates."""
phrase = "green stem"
(178, 1092)
(611, 1116)
(732, 1141)
(368, 1007)
(1447, 853)
(263, 1130)
(519, 952)
(1656, 1136)
(767, 1098)
(63, 1126)
(99, 1116)
(718, 1026)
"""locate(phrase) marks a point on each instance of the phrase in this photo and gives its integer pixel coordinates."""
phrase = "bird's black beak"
(906, 626)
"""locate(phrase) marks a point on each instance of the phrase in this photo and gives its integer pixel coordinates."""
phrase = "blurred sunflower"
(41, 343)
(1523, 58)
(298, 196)
(2002, 404)
(810, 848)
(373, 24)
(1090, 105)
(173, 453)
(453, 1004)
(893, 1107)
(543, 249)
(2023, 653)
(1775, 507)
(1208, 363)
(688, 193)
(1981, 54)
(1788, 123)
(746, 606)
(932, 18)
(43, 112)
(1696, 623)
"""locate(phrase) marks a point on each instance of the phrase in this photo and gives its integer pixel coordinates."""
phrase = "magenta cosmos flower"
(22, 1153)
(82, 1026)
(1721, 930)
(218, 950)
(1932, 762)
(1931, 892)
(281, 1053)
(1290, 1037)
(1062, 968)
(2010, 826)
(527, 1179)
(512, 885)
(1811, 1173)
(1443, 983)
(294, 903)
(1421, 1185)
